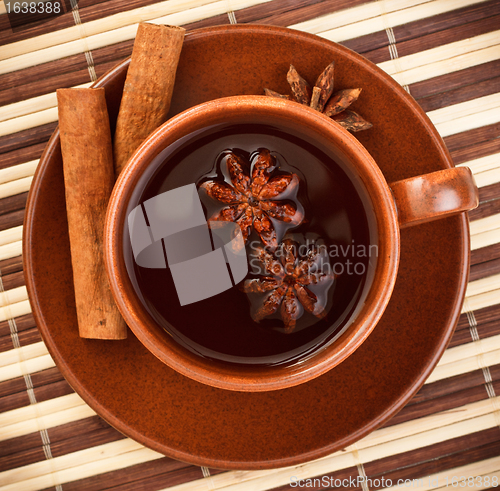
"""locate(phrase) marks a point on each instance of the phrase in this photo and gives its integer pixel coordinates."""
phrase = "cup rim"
(164, 347)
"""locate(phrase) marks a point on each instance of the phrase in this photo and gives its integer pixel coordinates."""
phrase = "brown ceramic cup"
(389, 207)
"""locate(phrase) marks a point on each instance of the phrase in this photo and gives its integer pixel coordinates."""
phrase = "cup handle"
(438, 194)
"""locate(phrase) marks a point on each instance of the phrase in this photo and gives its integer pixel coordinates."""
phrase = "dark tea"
(316, 216)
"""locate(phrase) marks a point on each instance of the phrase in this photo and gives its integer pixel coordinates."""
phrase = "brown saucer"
(146, 400)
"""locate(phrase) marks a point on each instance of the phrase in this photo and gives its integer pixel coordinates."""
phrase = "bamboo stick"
(123, 27)
(470, 122)
(57, 52)
(55, 418)
(32, 105)
(19, 63)
(13, 296)
(447, 65)
(28, 121)
(484, 239)
(470, 364)
(485, 257)
(488, 178)
(26, 368)
(15, 310)
(465, 351)
(434, 422)
(485, 209)
(482, 301)
(92, 468)
(483, 164)
(12, 265)
(99, 26)
(15, 187)
(11, 235)
(462, 109)
(385, 19)
(124, 32)
(421, 439)
(485, 225)
(22, 354)
(28, 106)
(22, 155)
(18, 171)
(483, 285)
(13, 280)
(71, 462)
(11, 250)
(350, 16)
(39, 410)
(24, 322)
(440, 53)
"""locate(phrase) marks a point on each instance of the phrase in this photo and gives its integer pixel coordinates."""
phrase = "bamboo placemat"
(446, 54)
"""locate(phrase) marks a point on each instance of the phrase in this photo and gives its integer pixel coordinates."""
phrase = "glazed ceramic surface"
(135, 392)
(310, 124)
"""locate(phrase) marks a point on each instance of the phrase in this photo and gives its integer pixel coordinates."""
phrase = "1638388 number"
(33, 7)
(23, 14)
(472, 482)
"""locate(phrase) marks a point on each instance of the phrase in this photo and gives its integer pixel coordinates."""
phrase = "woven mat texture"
(446, 54)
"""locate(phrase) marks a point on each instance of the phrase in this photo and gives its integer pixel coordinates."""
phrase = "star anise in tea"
(320, 98)
(256, 195)
(291, 281)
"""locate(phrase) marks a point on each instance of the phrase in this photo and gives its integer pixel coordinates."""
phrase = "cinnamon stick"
(88, 179)
(148, 87)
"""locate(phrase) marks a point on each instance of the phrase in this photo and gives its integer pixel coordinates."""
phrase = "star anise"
(320, 98)
(256, 196)
(292, 281)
